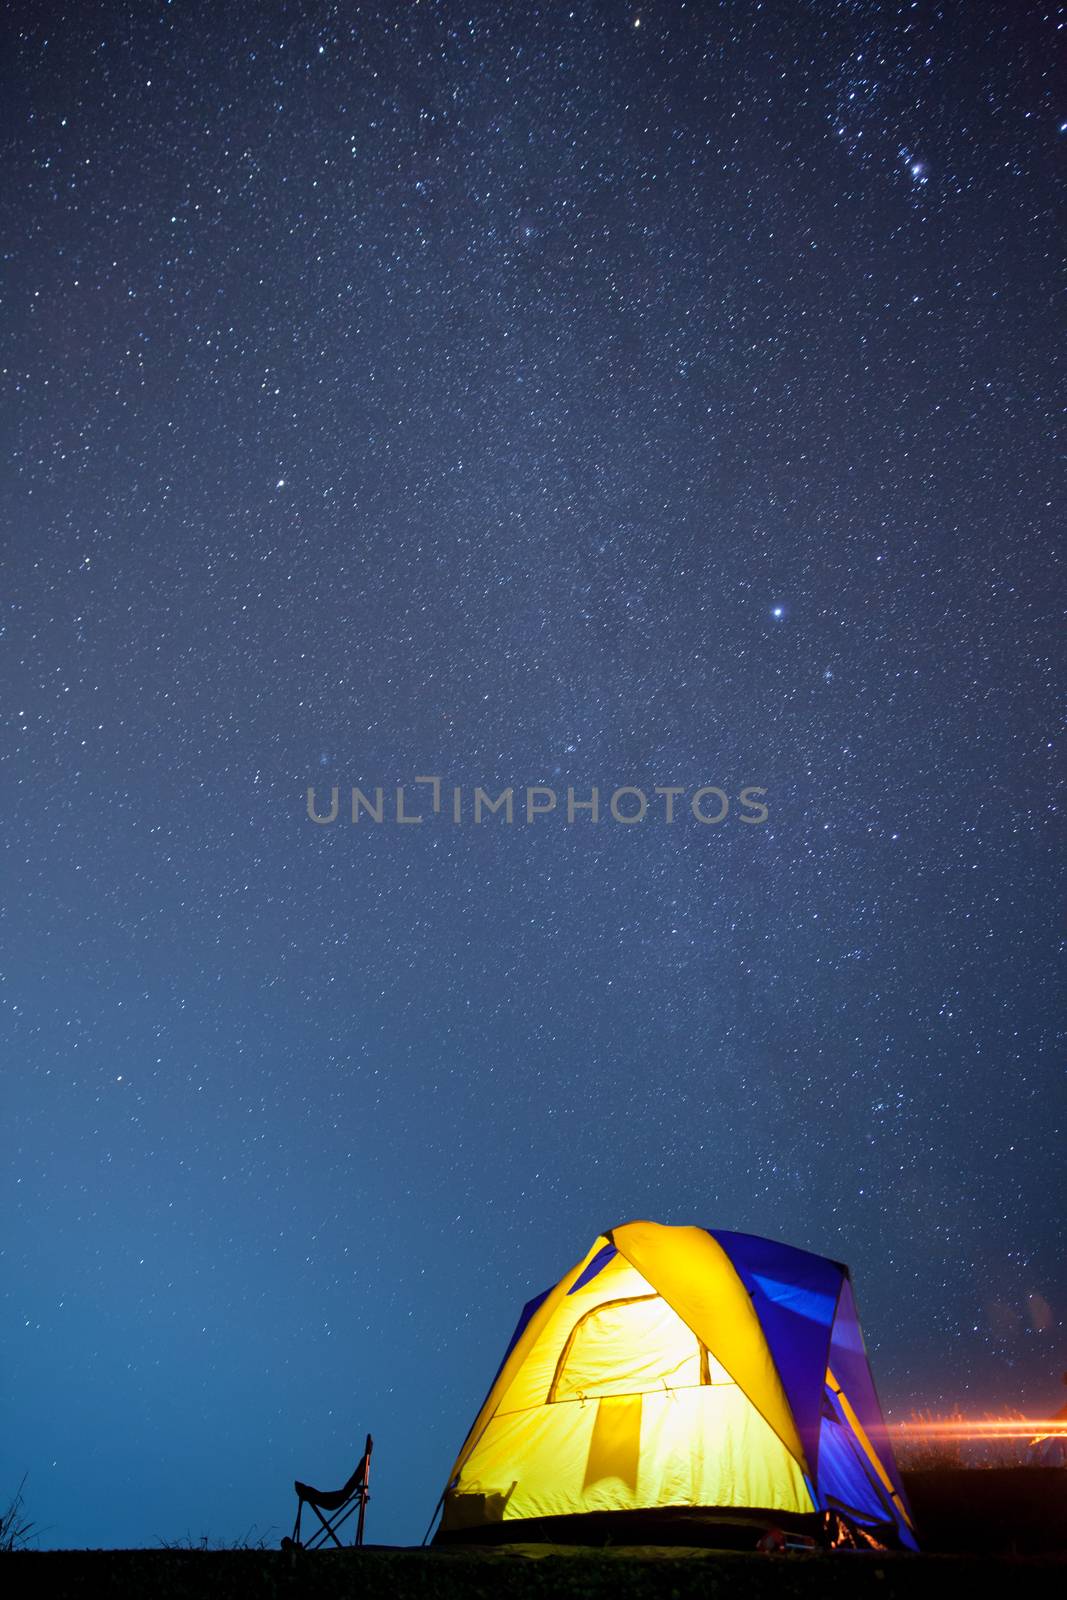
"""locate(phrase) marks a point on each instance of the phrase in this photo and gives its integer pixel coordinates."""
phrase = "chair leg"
(327, 1527)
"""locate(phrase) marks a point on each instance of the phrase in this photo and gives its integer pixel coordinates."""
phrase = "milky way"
(538, 397)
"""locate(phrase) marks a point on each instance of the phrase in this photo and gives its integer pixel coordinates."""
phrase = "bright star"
(778, 612)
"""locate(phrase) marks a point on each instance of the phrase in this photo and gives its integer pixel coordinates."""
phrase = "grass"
(518, 1573)
(16, 1528)
(1002, 1525)
(248, 1541)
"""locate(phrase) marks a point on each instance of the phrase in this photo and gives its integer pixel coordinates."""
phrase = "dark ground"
(1003, 1526)
(1005, 1510)
(516, 1571)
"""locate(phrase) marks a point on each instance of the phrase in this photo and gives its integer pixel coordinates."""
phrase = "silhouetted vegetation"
(521, 1574)
(16, 1528)
(1004, 1526)
(248, 1541)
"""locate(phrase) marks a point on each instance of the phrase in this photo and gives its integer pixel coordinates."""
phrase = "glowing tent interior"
(682, 1370)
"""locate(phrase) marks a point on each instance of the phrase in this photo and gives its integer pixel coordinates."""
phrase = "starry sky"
(540, 396)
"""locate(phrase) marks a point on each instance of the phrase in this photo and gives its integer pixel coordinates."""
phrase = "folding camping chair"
(341, 1502)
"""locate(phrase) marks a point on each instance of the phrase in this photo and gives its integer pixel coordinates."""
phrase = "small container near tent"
(679, 1376)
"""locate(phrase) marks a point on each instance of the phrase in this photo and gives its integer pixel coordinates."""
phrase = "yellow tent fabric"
(651, 1384)
(695, 1275)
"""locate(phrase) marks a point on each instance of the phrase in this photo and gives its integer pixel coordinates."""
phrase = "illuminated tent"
(683, 1370)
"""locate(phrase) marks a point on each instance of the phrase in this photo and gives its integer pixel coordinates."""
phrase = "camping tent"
(682, 1367)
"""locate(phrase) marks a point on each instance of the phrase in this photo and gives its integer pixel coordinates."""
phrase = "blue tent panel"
(850, 1367)
(598, 1263)
(795, 1295)
(527, 1312)
(848, 1483)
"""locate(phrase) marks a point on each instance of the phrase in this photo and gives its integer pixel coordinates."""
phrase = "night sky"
(524, 396)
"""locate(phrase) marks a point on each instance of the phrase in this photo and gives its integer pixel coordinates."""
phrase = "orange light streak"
(983, 1428)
